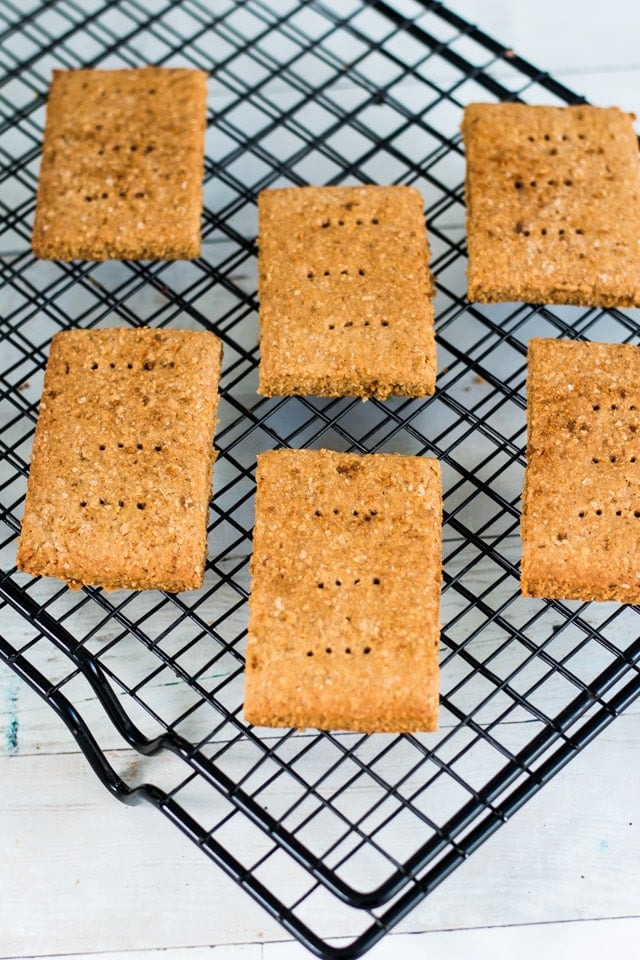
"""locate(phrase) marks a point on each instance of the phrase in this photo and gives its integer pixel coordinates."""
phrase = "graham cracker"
(581, 512)
(345, 293)
(344, 608)
(120, 477)
(122, 165)
(553, 204)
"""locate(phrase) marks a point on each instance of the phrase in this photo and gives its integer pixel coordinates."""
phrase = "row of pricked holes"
(139, 446)
(347, 650)
(359, 222)
(123, 195)
(544, 232)
(118, 146)
(121, 503)
(565, 136)
(146, 365)
(350, 323)
(613, 459)
(599, 512)
(327, 273)
(354, 513)
(614, 406)
(519, 184)
(338, 583)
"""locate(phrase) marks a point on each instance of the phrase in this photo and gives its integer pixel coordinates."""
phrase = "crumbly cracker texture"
(122, 165)
(120, 476)
(581, 511)
(344, 607)
(346, 296)
(553, 204)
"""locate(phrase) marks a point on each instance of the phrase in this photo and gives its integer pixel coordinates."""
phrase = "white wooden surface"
(80, 875)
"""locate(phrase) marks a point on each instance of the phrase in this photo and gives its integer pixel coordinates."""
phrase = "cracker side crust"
(120, 476)
(345, 293)
(581, 504)
(122, 165)
(344, 607)
(553, 204)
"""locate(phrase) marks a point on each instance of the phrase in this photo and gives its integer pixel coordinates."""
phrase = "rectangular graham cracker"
(345, 293)
(553, 204)
(344, 622)
(120, 477)
(122, 165)
(581, 511)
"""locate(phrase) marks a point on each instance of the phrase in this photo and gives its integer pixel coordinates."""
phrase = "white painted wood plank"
(620, 88)
(248, 951)
(588, 939)
(561, 36)
(82, 873)
(115, 878)
(572, 853)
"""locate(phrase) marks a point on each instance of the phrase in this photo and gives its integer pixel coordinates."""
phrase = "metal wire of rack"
(335, 834)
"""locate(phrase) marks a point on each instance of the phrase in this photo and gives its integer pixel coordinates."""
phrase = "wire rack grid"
(336, 834)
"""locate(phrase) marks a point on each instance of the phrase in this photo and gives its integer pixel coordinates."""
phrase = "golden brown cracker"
(553, 204)
(345, 293)
(344, 623)
(122, 165)
(120, 476)
(581, 512)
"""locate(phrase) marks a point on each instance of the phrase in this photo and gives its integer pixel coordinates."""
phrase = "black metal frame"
(297, 90)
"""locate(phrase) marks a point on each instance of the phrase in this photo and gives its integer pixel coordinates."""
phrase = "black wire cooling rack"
(335, 834)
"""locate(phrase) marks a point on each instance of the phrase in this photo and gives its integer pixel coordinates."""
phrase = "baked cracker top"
(120, 476)
(553, 204)
(345, 292)
(581, 511)
(344, 627)
(122, 165)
